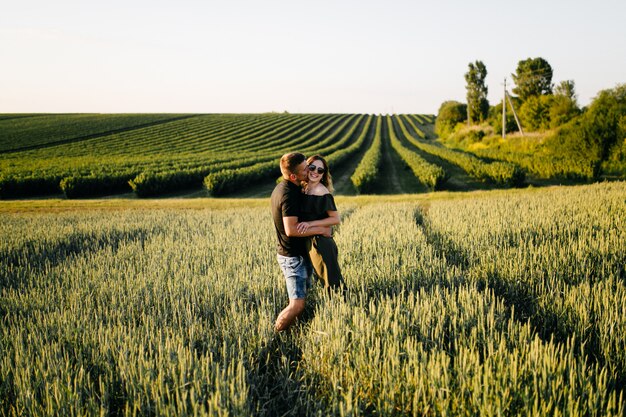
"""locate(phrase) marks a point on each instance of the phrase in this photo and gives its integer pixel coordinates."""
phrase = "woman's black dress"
(322, 250)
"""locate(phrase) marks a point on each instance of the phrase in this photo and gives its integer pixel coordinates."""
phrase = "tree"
(477, 102)
(535, 112)
(450, 114)
(564, 106)
(616, 161)
(602, 123)
(566, 89)
(532, 78)
(597, 133)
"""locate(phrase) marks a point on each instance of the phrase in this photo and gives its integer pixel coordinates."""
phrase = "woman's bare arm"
(333, 219)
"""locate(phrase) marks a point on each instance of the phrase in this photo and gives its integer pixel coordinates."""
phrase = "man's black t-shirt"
(286, 202)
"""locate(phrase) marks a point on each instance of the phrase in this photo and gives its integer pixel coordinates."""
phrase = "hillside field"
(156, 155)
(138, 273)
(493, 302)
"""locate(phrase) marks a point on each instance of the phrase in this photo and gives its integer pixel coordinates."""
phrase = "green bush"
(230, 180)
(535, 113)
(94, 185)
(603, 123)
(547, 112)
(562, 110)
(615, 164)
(148, 184)
(450, 114)
(504, 173)
(28, 186)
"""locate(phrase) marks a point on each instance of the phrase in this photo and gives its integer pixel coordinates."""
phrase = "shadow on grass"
(34, 256)
(521, 298)
(276, 387)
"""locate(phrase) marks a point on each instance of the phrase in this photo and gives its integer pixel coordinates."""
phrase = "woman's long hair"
(327, 179)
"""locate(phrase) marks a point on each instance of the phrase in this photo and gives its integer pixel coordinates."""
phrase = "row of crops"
(165, 157)
(502, 173)
(153, 155)
(21, 132)
(507, 304)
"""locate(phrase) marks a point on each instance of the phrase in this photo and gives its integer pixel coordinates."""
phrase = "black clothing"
(315, 207)
(286, 202)
(322, 250)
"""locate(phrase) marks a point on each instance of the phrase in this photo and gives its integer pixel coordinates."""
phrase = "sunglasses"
(320, 170)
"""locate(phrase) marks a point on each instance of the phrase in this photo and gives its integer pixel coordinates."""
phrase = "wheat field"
(486, 303)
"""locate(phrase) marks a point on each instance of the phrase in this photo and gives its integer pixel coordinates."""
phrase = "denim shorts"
(297, 271)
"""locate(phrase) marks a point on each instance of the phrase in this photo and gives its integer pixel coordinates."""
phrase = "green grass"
(504, 302)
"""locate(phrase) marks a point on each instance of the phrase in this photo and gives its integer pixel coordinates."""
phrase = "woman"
(319, 209)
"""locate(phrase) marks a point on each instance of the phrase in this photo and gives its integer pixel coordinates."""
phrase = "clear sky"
(235, 56)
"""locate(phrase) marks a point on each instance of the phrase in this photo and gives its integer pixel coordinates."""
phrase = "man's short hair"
(289, 162)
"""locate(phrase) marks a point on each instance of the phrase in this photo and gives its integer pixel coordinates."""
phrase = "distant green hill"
(84, 155)
(30, 131)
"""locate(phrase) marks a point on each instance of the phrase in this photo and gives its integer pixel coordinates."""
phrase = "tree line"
(594, 134)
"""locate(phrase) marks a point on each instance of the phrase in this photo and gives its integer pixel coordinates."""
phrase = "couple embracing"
(304, 211)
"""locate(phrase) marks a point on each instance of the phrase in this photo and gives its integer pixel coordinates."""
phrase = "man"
(292, 251)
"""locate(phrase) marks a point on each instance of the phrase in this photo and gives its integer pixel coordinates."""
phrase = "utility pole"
(519, 125)
(504, 100)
